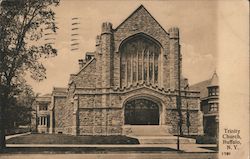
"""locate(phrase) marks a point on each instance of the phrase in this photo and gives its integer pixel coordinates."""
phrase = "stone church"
(127, 86)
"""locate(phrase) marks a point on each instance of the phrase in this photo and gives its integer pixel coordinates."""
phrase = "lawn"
(86, 150)
(69, 139)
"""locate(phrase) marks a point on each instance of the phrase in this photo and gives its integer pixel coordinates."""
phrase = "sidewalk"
(119, 156)
(201, 148)
(16, 135)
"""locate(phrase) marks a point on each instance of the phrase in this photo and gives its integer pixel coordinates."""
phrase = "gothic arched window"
(139, 61)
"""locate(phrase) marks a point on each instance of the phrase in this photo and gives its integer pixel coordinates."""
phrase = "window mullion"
(131, 67)
(142, 69)
(153, 67)
(137, 64)
(148, 66)
(126, 68)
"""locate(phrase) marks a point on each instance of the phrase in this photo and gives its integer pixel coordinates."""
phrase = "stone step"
(145, 130)
(164, 140)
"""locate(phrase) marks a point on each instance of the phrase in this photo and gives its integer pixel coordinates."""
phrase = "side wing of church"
(127, 86)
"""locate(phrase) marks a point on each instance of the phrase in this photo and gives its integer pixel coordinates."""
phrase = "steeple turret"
(213, 87)
(214, 80)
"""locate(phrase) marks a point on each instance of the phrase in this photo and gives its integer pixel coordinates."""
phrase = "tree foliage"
(22, 25)
(20, 108)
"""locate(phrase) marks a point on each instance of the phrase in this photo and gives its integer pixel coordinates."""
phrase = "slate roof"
(214, 81)
(202, 86)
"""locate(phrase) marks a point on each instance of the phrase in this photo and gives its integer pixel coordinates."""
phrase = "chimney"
(80, 61)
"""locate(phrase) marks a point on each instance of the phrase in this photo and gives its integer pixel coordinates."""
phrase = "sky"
(197, 21)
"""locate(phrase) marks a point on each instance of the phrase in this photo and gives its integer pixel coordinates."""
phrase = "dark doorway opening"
(141, 112)
(211, 126)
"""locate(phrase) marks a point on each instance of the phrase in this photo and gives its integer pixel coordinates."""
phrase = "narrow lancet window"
(139, 61)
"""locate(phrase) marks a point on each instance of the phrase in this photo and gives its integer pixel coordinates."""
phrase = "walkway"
(109, 156)
(183, 147)
(16, 135)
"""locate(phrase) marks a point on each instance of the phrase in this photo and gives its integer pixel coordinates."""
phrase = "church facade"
(129, 83)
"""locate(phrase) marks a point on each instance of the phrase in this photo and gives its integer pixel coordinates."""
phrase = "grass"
(69, 139)
(85, 150)
(17, 131)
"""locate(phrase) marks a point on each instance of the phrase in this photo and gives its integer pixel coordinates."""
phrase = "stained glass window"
(139, 61)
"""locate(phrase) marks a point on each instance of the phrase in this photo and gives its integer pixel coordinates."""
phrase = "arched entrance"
(141, 112)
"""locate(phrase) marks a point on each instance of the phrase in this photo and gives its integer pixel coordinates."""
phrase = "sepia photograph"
(124, 79)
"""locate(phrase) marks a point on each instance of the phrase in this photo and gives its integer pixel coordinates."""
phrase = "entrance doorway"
(141, 112)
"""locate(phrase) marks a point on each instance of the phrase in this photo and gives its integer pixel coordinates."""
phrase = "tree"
(22, 24)
(20, 109)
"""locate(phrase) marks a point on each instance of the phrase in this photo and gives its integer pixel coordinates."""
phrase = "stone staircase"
(145, 130)
(153, 134)
(164, 140)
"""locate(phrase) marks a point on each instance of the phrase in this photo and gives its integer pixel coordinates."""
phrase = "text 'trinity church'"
(128, 84)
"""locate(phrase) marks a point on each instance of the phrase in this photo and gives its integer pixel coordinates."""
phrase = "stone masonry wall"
(87, 76)
(172, 119)
(142, 22)
(67, 112)
(115, 121)
(59, 113)
(190, 104)
(86, 101)
(100, 121)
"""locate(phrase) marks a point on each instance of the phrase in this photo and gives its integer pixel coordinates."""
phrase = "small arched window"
(139, 61)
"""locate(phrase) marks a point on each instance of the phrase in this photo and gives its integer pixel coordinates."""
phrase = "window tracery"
(139, 61)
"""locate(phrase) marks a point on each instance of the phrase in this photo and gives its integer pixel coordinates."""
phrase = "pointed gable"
(140, 21)
(202, 87)
(140, 14)
(214, 81)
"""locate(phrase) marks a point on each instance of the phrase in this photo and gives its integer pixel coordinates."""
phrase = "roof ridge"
(141, 7)
(208, 80)
(85, 65)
